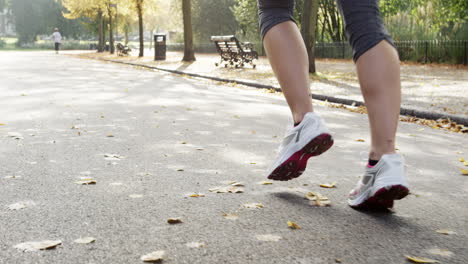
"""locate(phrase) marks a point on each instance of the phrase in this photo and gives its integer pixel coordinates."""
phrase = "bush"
(2, 43)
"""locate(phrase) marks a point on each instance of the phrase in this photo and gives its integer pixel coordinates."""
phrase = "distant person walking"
(57, 37)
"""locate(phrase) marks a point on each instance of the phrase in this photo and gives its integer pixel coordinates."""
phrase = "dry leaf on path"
(461, 159)
(195, 245)
(465, 163)
(464, 172)
(227, 189)
(253, 205)
(174, 221)
(265, 183)
(85, 240)
(15, 135)
(12, 177)
(16, 206)
(38, 245)
(440, 252)
(180, 170)
(317, 199)
(237, 184)
(293, 225)
(86, 181)
(155, 256)
(196, 195)
(231, 216)
(135, 196)
(110, 135)
(421, 260)
(2, 124)
(328, 185)
(360, 140)
(445, 232)
(269, 238)
(113, 157)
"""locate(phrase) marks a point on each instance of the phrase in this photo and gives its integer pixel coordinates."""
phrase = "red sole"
(383, 198)
(296, 164)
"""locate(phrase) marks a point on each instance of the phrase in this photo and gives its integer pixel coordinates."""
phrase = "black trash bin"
(160, 47)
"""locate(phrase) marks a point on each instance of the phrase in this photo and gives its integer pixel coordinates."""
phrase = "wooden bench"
(233, 52)
(123, 50)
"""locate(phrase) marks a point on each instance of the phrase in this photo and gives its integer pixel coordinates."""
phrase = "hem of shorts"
(373, 44)
(276, 22)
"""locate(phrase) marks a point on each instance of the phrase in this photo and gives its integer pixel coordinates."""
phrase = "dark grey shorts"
(363, 23)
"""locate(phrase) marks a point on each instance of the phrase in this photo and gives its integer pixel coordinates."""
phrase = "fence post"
(426, 48)
(464, 60)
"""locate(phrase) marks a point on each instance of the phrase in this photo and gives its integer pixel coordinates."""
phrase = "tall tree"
(110, 14)
(139, 9)
(189, 54)
(309, 25)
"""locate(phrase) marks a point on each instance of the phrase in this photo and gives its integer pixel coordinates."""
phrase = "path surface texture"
(150, 139)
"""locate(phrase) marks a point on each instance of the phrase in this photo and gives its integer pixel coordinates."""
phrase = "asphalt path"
(150, 139)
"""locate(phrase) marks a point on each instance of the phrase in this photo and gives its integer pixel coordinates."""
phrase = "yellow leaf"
(173, 221)
(293, 225)
(360, 140)
(461, 159)
(156, 256)
(86, 181)
(421, 260)
(464, 172)
(85, 240)
(328, 185)
(231, 216)
(196, 195)
(445, 232)
(1, 124)
(266, 183)
(465, 163)
(253, 205)
(110, 135)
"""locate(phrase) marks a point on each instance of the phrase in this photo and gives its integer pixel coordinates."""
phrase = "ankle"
(298, 117)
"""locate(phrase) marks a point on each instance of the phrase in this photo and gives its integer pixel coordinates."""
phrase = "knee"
(273, 12)
(364, 25)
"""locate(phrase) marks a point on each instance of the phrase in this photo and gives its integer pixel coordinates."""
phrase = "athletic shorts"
(57, 46)
(363, 23)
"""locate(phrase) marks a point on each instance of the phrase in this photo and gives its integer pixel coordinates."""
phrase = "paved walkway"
(433, 88)
(151, 139)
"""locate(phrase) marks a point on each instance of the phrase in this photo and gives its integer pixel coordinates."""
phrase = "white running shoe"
(381, 184)
(310, 138)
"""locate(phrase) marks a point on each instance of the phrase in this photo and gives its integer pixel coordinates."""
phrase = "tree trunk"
(111, 30)
(101, 32)
(189, 54)
(126, 35)
(309, 24)
(140, 27)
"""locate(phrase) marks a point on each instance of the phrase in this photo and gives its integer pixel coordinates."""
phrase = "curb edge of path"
(403, 111)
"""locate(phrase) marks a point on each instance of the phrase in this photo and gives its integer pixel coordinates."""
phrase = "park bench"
(123, 50)
(233, 52)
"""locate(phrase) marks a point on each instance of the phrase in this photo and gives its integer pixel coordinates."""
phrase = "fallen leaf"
(445, 232)
(86, 181)
(116, 183)
(253, 205)
(110, 135)
(253, 163)
(135, 196)
(293, 225)
(180, 170)
(360, 140)
(269, 238)
(227, 189)
(38, 245)
(16, 206)
(155, 256)
(85, 240)
(328, 185)
(338, 260)
(465, 163)
(183, 142)
(421, 260)
(461, 159)
(174, 221)
(440, 252)
(195, 245)
(237, 184)
(12, 177)
(15, 135)
(113, 157)
(265, 183)
(196, 195)
(2, 124)
(464, 172)
(231, 216)
(317, 199)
